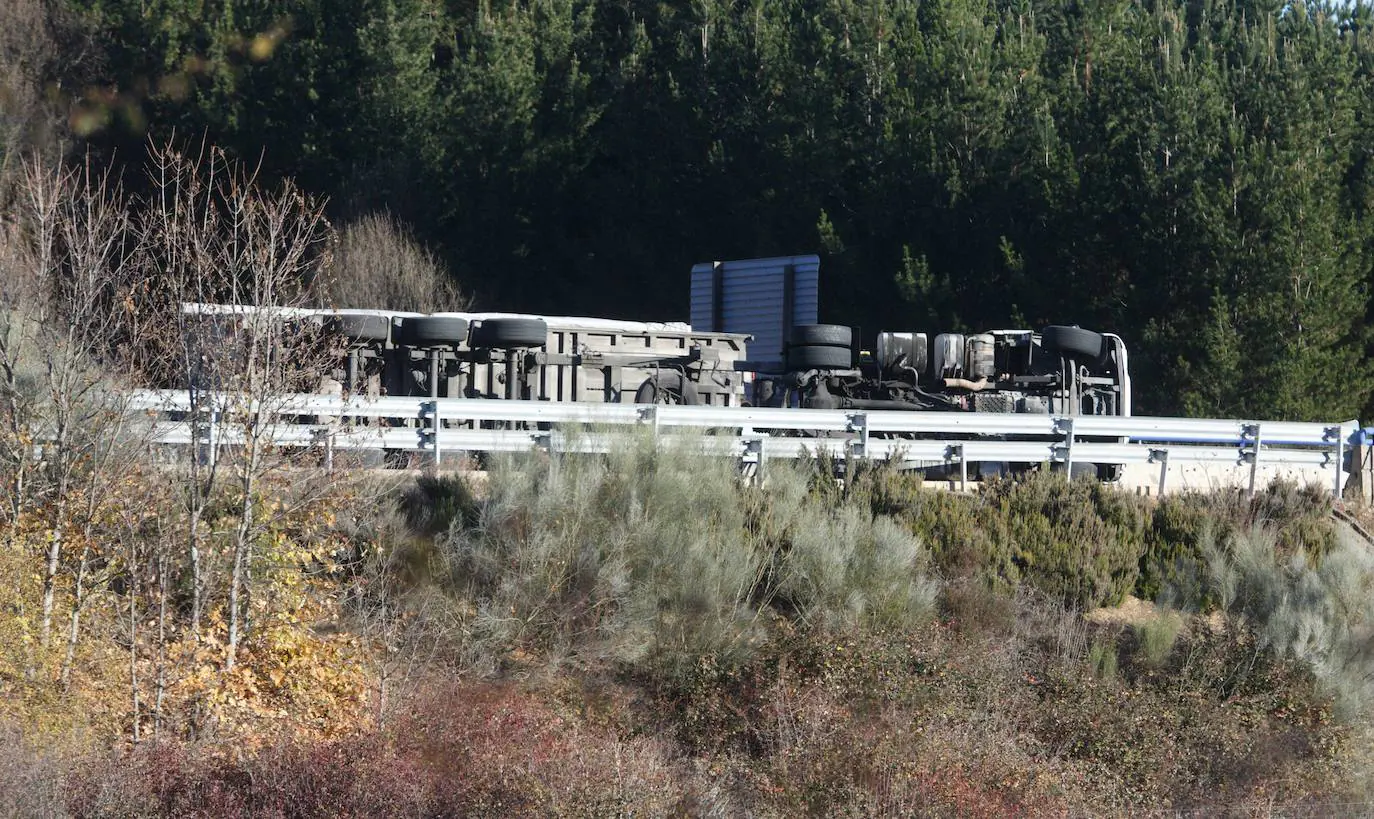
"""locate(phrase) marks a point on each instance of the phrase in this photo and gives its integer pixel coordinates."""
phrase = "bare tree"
(201, 285)
(381, 265)
(238, 261)
(87, 421)
(19, 393)
(68, 252)
(177, 348)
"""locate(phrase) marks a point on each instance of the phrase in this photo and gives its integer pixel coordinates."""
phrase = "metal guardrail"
(439, 426)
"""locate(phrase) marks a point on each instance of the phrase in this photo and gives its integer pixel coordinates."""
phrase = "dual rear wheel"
(820, 347)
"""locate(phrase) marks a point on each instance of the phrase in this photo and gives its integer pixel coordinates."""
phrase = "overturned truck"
(1060, 370)
(539, 358)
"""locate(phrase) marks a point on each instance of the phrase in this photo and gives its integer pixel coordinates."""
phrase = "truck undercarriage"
(1060, 370)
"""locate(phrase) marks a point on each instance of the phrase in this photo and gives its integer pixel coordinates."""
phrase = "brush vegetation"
(645, 632)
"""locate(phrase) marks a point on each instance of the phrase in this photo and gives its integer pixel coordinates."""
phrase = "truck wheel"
(510, 332)
(668, 387)
(1081, 470)
(1110, 473)
(1072, 341)
(432, 331)
(368, 329)
(825, 335)
(819, 358)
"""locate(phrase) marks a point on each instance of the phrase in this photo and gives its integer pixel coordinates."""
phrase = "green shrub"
(657, 556)
(1172, 565)
(637, 553)
(965, 537)
(436, 501)
(884, 488)
(1298, 516)
(845, 568)
(1318, 611)
(1078, 541)
(1102, 659)
(1155, 638)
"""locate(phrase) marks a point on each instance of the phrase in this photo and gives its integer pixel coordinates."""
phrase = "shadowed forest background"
(1193, 176)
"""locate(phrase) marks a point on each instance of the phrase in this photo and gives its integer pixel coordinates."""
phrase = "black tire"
(668, 387)
(1073, 341)
(1081, 471)
(511, 332)
(819, 358)
(432, 331)
(367, 329)
(821, 335)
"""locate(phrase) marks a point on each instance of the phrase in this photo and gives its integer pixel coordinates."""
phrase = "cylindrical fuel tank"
(947, 358)
(896, 350)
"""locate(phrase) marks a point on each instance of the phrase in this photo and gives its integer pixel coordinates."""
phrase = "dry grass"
(380, 265)
(1132, 611)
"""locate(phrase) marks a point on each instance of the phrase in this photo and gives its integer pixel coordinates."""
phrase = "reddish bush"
(484, 749)
(358, 777)
(29, 777)
(495, 748)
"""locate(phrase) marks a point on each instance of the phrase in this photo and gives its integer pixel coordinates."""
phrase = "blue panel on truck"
(752, 296)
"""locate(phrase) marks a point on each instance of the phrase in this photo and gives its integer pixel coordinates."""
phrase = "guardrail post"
(1065, 426)
(754, 453)
(957, 451)
(433, 407)
(1338, 490)
(858, 422)
(1360, 467)
(650, 414)
(327, 437)
(1252, 432)
(1162, 457)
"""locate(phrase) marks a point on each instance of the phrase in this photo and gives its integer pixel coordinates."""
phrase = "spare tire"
(510, 332)
(1073, 341)
(668, 387)
(819, 358)
(432, 331)
(365, 328)
(826, 335)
